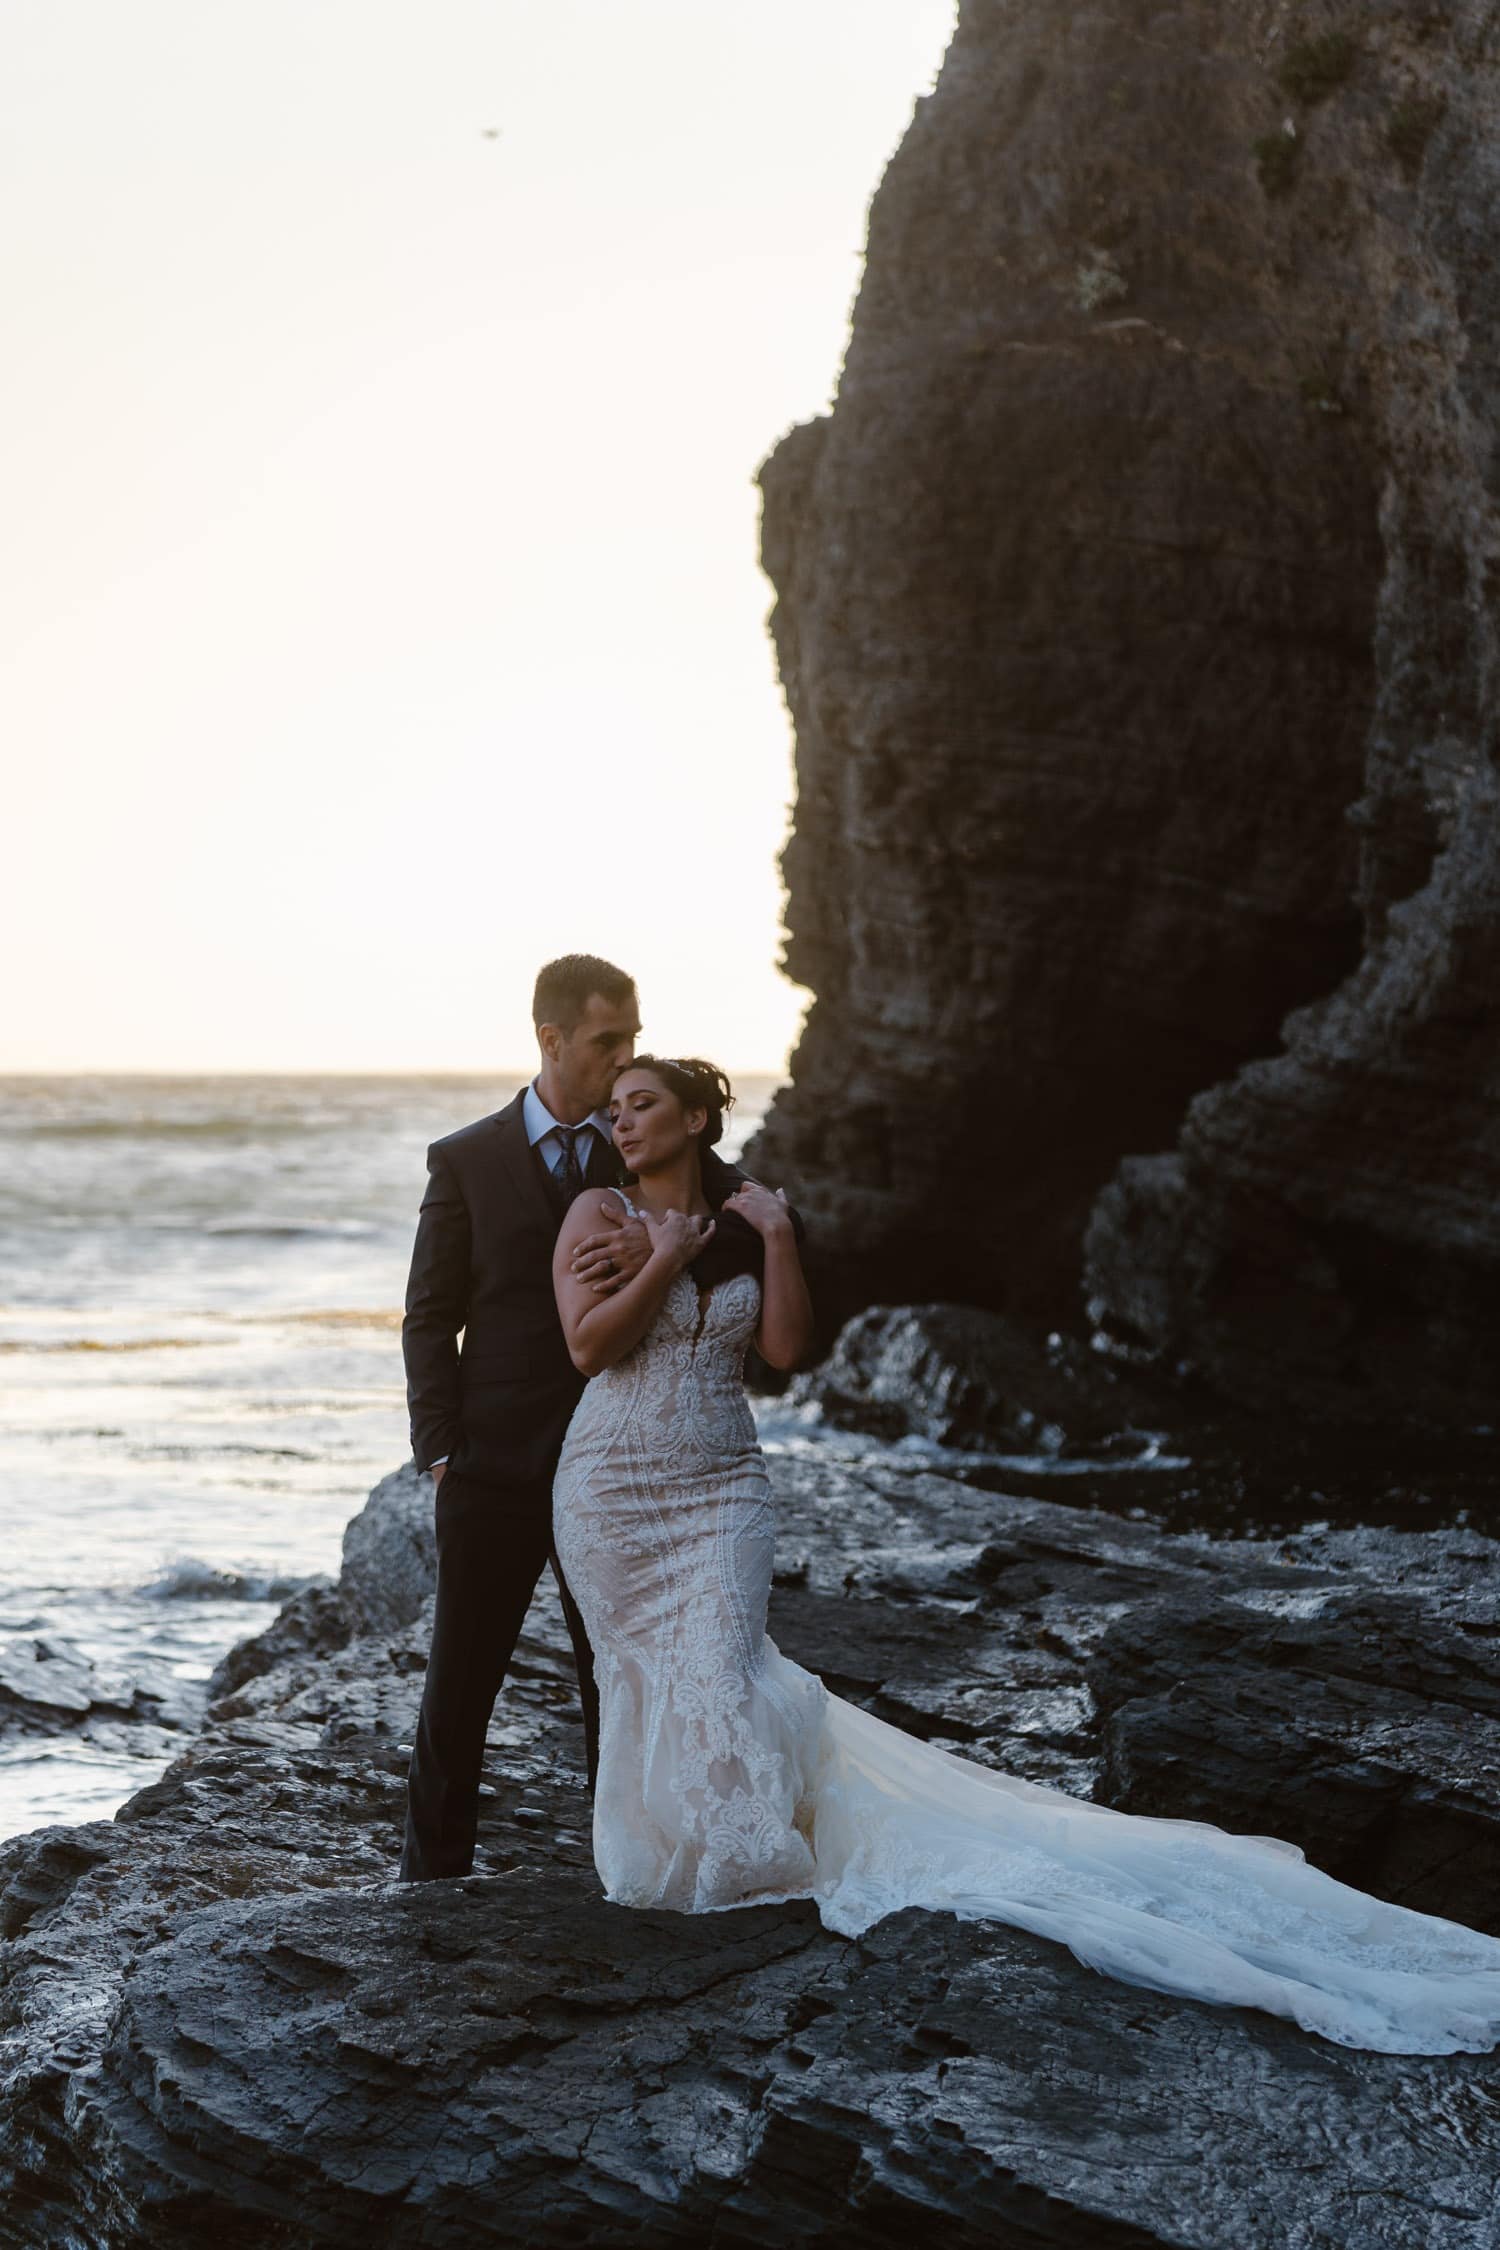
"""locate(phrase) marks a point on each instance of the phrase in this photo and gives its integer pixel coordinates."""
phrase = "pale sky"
(379, 579)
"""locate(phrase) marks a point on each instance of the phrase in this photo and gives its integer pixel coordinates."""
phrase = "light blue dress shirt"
(542, 1132)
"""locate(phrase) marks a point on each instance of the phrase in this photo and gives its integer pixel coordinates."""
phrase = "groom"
(489, 1419)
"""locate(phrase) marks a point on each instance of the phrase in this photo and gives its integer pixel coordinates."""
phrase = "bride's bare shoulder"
(594, 1209)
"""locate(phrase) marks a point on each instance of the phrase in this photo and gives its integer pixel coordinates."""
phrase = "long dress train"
(730, 1776)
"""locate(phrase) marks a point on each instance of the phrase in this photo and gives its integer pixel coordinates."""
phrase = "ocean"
(200, 1375)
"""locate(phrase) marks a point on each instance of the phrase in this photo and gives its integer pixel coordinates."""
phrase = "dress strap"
(624, 1198)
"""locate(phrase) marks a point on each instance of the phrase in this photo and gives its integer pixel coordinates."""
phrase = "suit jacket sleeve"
(437, 1308)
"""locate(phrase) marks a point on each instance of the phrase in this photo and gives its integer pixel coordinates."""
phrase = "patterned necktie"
(569, 1174)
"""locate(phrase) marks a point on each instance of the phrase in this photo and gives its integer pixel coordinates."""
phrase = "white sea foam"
(190, 1578)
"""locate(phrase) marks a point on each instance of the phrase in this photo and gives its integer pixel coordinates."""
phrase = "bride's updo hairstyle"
(697, 1085)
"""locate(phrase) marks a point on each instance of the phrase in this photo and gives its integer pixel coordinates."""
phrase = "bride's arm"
(785, 1335)
(600, 1330)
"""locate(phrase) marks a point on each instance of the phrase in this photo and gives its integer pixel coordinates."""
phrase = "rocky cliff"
(1137, 612)
(222, 2020)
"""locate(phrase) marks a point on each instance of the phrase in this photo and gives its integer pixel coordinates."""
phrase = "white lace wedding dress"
(729, 1776)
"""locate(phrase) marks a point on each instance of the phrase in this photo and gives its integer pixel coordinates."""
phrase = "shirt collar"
(539, 1120)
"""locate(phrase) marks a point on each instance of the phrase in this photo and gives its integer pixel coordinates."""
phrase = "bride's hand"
(767, 1213)
(678, 1236)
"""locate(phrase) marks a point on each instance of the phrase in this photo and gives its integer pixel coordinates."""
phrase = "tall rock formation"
(1137, 616)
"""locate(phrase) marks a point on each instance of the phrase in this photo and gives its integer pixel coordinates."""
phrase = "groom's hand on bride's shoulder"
(606, 1261)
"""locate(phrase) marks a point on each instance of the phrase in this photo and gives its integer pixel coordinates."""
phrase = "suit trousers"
(493, 1542)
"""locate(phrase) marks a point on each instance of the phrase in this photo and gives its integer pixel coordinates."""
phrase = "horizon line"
(300, 1070)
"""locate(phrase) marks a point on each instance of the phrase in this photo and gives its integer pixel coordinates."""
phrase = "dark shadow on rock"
(1363, 1726)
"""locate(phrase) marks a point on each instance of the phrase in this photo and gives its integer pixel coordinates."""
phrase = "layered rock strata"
(1136, 613)
(220, 2017)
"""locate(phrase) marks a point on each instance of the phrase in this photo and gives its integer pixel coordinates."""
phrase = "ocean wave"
(189, 1578)
(291, 1230)
(153, 1128)
(200, 1452)
(116, 1225)
(100, 1344)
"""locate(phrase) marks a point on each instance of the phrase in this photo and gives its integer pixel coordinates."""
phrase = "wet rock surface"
(49, 1686)
(221, 2017)
(967, 1378)
(387, 1571)
(1357, 1723)
(1053, 1414)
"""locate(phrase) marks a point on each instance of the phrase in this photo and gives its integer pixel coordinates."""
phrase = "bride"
(729, 1776)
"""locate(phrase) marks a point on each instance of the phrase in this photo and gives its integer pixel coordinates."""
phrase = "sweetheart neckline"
(685, 1273)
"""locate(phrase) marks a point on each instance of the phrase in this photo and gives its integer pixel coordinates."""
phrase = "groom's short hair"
(565, 987)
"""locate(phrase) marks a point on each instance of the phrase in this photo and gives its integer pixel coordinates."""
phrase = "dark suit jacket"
(482, 1263)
